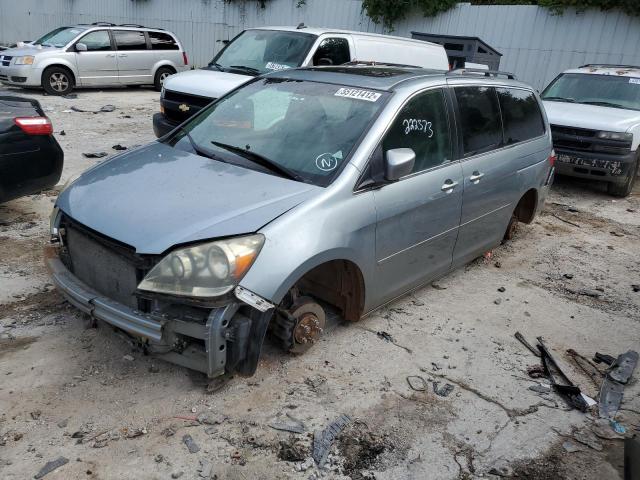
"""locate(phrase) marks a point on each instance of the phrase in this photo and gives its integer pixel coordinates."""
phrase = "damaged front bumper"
(229, 341)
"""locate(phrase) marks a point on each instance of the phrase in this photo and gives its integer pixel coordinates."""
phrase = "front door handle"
(449, 185)
(111, 55)
(122, 55)
(475, 177)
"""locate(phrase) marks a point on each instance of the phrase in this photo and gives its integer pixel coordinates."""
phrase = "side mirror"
(398, 163)
(324, 62)
(81, 47)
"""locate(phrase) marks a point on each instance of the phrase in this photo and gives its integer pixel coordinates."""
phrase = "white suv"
(96, 55)
(594, 112)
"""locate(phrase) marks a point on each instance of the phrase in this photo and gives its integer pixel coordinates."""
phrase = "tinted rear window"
(479, 119)
(162, 41)
(521, 115)
(130, 40)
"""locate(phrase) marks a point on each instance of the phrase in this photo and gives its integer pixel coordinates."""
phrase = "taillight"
(552, 158)
(34, 125)
(184, 58)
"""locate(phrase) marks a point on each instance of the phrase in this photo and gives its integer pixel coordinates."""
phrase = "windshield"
(615, 91)
(297, 129)
(59, 37)
(255, 52)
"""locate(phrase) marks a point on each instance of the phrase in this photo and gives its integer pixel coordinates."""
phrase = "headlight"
(26, 60)
(628, 137)
(204, 271)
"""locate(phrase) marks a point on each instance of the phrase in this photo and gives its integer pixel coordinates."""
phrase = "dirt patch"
(9, 345)
(361, 449)
(42, 303)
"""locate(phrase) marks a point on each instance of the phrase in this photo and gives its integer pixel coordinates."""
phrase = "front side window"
(614, 91)
(59, 37)
(422, 125)
(255, 52)
(521, 115)
(332, 51)
(162, 41)
(97, 41)
(306, 128)
(479, 119)
(130, 40)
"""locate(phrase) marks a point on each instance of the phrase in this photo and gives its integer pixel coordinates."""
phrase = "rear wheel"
(57, 81)
(161, 76)
(624, 189)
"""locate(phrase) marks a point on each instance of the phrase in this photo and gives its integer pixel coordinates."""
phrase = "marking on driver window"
(635, 80)
(367, 95)
(417, 125)
(328, 161)
(276, 66)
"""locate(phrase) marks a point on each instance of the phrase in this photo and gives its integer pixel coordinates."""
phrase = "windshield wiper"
(560, 99)
(216, 65)
(260, 160)
(196, 148)
(251, 70)
(603, 104)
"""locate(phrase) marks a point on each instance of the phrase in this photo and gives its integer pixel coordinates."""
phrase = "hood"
(27, 50)
(206, 83)
(591, 116)
(156, 197)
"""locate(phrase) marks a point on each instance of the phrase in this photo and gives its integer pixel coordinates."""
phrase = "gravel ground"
(72, 391)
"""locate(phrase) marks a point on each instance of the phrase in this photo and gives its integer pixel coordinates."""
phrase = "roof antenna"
(301, 26)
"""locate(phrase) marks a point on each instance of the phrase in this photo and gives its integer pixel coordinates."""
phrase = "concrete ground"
(81, 393)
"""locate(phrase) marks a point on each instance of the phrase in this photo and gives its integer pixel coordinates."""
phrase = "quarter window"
(130, 40)
(520, 114)
(332, 51)
(422, 125)
(479, 119)
(162, 41)
(97, 41)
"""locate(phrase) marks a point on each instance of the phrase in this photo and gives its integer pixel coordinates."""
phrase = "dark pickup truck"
(30, 157)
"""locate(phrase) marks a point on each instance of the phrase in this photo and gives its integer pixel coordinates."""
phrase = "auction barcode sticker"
(367, 95)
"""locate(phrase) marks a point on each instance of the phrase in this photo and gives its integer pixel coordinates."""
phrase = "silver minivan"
(96, 55)
(300, 197)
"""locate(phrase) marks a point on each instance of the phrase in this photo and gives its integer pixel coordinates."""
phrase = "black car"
(30, 157)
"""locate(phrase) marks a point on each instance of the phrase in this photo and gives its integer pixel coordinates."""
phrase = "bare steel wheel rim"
(59, 82)
(163, 77)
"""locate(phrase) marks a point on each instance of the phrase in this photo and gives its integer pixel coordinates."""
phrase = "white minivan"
(268, 49)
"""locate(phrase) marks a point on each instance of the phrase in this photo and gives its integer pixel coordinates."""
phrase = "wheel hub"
(310, 322)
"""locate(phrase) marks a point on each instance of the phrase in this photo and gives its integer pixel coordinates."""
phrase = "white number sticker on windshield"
(635, 80)
(276, 66)
(367, 95)
(417, 125)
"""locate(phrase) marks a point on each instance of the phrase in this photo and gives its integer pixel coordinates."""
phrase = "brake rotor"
(310, 323)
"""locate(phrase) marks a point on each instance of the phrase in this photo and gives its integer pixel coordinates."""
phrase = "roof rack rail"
(373, 63)
(486, 73)
(609, 65)
(104, 24)
(131, 25)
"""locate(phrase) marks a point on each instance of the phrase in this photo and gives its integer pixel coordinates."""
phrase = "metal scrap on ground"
(323, 439)
(51, 466)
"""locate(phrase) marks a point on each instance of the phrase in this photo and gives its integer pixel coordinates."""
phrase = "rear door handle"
(123, 55)
(475, 177)
(449, 185)
(111, 55)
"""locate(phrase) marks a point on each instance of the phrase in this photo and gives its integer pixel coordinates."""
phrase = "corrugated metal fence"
(536, 44)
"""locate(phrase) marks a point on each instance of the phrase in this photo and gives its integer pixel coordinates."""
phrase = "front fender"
(48, 62)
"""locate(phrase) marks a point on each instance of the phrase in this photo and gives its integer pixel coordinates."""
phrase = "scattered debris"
(572, 447)
(192, 446)
(175, 475)
(413, 381)
(205, 469)
(540, 388)
(613, 384)
(168, 432)
(555, 215)
(323, 439)
(536, 371)
(635, 288)
(617, 427)
(36, 414)
(387, 336)
(62, 133)
(502, 289)
(437, 286)
(444, 391)
(568, 276)
(623, 367)
(586, 366)
(588, 438)
(70, 96)
(104, 109)
(94, 154)
(360, 448)
(605, 430)
(128, 358)
(603, 358)
(502, 469)
(497, 301)
(63, 423)
(522, 340)
(616, 234)
(294, 426)
(134, 433)
(119, 147)
(211, 419)
(51, 466)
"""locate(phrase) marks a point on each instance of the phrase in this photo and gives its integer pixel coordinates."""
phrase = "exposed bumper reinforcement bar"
(157, 333)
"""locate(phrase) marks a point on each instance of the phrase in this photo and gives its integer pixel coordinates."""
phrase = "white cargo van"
(268, 49)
